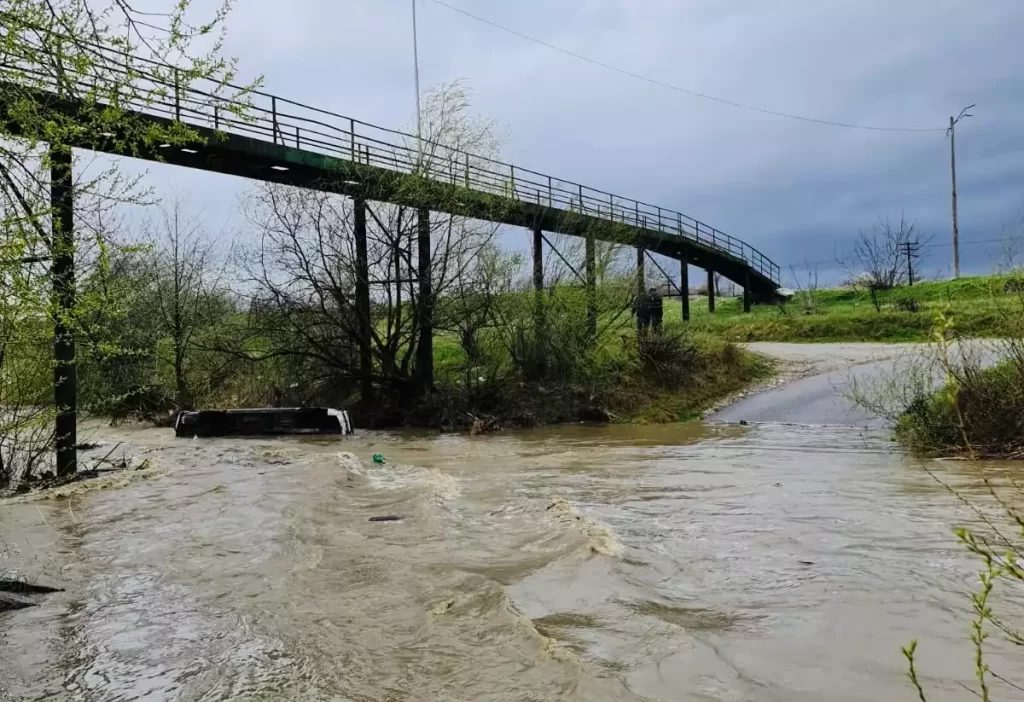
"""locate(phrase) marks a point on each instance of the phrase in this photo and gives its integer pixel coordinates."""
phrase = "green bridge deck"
(273, 139)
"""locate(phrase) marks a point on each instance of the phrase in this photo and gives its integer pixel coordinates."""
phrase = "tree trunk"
(181, 399)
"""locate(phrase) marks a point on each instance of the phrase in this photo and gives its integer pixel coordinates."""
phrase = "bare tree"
(881, 254)
(470, 307)
(1011, 248)
(879, 260)
(452, 134)
(185, 291)
(806, 289)
(304, 269)
(565, 263)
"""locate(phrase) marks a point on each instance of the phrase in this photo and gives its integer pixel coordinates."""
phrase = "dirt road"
(815, 378)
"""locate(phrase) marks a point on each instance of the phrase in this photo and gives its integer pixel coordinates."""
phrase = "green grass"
(614, 382)
(978, 305)
(725, 370)
(977, 413)
(608, 378)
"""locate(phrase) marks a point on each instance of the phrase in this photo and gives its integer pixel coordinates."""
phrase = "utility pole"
(416, 79)
(951, 133)
(912, 250)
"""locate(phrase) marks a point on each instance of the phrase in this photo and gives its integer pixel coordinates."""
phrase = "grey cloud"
(794, 189)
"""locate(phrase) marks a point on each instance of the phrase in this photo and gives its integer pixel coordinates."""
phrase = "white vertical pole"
(951, 133)
(416, 72)
(952, 168)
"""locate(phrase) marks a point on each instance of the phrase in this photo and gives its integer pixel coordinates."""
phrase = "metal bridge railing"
(158, 90)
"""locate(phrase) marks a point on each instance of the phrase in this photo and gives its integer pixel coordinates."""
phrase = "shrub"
(906, 304)
(978, 411)
(669, 358)
(1013, 286)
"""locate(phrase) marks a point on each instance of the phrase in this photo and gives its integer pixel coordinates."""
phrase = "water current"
(680, 562)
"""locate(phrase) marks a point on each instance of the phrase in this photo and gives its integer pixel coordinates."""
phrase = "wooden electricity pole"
(951, 133)
(913, 250)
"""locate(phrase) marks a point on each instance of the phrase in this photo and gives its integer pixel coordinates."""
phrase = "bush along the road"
(979, 409)
(979, 412)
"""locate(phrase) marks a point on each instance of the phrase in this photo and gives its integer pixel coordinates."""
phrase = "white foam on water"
(440, 485)
(444, 485)
(600, 537)
(350, 463)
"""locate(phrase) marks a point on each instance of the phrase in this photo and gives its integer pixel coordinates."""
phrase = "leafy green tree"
(106, 63)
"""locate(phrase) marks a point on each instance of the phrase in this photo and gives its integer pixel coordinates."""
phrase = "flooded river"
(685, 562)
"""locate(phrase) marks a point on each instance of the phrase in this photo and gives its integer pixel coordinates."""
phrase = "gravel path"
(804, 360)
(809, 387)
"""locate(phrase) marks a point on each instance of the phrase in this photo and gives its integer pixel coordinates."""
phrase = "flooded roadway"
(685, 562)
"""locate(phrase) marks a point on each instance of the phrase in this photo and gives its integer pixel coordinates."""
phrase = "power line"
(670, 86)
(946, 244)
(925, 247)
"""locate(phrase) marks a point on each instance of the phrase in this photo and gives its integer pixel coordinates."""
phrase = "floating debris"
(12, 591)
(9, 603)
(25, 588)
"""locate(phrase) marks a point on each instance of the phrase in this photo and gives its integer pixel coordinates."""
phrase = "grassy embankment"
(978, 413)
(670, 378)
(515, 382)
(979, 306)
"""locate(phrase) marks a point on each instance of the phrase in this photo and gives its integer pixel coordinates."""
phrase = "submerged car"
(262, 421)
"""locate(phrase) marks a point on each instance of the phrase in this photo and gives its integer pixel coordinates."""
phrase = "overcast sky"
(796, 190)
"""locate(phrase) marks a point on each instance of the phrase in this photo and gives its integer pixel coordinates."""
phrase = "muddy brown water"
(686, 562)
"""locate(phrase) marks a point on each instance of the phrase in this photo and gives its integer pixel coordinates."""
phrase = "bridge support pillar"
(591, 272)
(425, 305)
(364, 327)
(711, 291)
(538, 279)
(748, 295)
(684, 286)
(62, 274)
(641, 283)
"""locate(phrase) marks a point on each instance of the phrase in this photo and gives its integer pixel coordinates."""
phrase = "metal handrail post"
(273, 115)
(177, 96)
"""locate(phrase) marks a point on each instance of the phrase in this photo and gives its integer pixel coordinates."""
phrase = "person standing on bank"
(649, 312)
(642, 309)
(655, 309)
